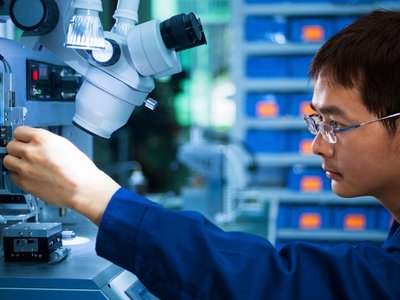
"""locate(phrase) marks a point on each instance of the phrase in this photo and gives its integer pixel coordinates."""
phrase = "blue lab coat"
(182, 255)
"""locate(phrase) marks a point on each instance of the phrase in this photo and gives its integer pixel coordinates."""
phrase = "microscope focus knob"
(38, 17)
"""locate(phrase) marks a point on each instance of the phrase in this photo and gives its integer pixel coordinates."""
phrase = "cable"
(7, 67)
(4, 63)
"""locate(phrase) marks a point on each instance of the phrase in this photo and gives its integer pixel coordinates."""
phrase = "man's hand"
(54, 170)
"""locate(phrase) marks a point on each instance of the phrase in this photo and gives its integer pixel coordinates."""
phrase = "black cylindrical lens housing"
(38, 17)
(182, 32)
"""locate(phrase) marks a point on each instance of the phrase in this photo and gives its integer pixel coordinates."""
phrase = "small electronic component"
(31, 241)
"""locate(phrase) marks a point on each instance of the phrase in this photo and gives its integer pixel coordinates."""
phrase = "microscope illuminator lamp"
(126, 17)
(85, 30)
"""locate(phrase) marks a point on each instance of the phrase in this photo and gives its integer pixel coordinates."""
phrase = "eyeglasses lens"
(311, 125)
(314, 125)
(327, 132)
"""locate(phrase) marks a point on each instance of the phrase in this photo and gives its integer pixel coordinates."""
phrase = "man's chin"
(344, 192)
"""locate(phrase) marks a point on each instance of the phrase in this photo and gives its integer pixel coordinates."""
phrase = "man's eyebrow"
(329, 110)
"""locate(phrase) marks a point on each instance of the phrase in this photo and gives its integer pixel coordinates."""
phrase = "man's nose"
(321, 147)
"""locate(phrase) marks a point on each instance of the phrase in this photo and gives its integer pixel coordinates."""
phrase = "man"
(181, 255)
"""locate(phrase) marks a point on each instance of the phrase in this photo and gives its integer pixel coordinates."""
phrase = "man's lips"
(333, 175)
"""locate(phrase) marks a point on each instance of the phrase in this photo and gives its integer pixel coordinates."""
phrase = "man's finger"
(13, 163)
(16, 148)
(24, 133)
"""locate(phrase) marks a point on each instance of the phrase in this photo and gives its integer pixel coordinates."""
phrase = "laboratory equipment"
(220, 169)
(119, 77)
(37, 89)
(31, 241)
(52, 77)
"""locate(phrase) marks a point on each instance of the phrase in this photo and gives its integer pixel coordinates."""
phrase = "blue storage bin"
(310, 30)
(300, 142)
(269, 141)
(384, 218)
(353, 218)
(312, 180)
(298, 66)
(266, 66)
(272, 30)
(299, 104)
(260, 105)
(310, 217)
(284, 218)
(303, 217)
(342, 22)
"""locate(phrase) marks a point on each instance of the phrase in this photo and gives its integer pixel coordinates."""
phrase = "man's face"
(364, 161)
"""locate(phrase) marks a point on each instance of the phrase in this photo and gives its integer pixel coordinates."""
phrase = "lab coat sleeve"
(181, 255)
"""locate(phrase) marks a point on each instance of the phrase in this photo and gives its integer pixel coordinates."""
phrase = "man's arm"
(182, 255)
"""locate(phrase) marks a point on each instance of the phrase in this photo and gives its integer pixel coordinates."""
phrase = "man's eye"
(336, 124)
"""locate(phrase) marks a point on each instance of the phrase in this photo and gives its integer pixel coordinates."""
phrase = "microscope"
(68, 75)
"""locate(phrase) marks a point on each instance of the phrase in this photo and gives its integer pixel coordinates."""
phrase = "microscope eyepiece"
(182, 32)
(38, 17)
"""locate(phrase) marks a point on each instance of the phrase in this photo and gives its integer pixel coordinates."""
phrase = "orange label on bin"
(266, 109)
(310, 221)
(305, 108)
(313, 33)
(311, 184)
(306, 146)
(355, 221)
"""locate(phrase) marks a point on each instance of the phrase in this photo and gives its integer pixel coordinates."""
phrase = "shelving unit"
(252, 201)
(277, 191)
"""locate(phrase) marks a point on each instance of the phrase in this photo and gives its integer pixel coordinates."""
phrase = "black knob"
(182, 32)
(38, 17)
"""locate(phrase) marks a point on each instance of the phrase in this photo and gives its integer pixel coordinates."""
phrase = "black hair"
(366, 55)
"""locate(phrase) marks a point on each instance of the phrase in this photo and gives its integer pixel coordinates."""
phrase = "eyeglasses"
(328, 131)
